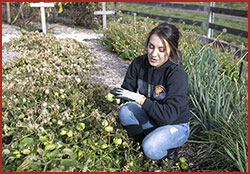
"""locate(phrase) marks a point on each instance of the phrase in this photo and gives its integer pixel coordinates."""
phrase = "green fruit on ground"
(104, 146)
(182, 159)
(109, 97)
(131, 164)
(70, 133)
(54, 120)
(21, 116)
(80, 126)
(24, 100)
(26, 151)
(105, 123)
(184, 165)
(18, 155)
(108, 129)
(60, 123)
(63, 132)
(117, 141)
(16, 152)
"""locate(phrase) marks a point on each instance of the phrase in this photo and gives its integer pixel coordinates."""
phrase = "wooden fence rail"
(232, 12)
(233, 31)
(225, 11)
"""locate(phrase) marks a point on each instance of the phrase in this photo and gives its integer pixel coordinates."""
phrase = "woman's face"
(157, 53)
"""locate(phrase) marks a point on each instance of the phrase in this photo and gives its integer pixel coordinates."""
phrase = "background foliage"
(68, 13)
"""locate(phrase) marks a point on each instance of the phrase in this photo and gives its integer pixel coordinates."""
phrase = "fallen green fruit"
(54, 120)
(117, 141)
(16, 152)
(109, 97)
(70, 133)
(104, 146)
(80, 126)
(26, 151)
(182, 159)
(24, 100)
(18, 155)
(21, 116)
(63, 132)
(108, 129)
(184, 165)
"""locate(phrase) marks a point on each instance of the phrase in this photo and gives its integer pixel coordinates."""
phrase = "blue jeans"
(156, 144)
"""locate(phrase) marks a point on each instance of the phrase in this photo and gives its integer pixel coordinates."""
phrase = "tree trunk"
(18, 13)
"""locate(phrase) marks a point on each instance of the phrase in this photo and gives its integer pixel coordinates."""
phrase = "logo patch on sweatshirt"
(159, 92)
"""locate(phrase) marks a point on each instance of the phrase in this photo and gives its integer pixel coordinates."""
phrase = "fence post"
(104, 13)
(8, 12)
(116, 10)
(210, 20)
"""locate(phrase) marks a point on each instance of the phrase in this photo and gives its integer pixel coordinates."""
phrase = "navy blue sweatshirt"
(164, 87)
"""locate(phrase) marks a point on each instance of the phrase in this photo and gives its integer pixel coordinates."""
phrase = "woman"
(158, 116)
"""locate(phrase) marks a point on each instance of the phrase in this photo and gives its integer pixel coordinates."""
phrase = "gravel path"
(110, 70)
(8, 32)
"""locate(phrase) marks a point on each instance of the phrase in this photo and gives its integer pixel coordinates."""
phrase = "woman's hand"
(128, 95)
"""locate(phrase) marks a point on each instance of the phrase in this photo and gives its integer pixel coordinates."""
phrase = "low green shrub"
(81, 13)
(127, 39)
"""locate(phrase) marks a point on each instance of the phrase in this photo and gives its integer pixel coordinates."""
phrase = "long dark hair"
(169, 33)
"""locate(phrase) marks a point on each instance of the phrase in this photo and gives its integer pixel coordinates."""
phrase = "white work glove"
(127, 95)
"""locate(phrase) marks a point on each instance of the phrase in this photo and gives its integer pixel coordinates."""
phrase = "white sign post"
(104, 13)
(210, 20)
(42, 5)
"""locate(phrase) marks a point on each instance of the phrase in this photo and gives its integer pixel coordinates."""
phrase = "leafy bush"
(217, 99)
(77, 13)
(82, 13)
(127, 39)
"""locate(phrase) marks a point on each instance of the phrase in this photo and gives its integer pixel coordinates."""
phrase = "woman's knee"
(152, 149)
(126, 115)
(124, 111)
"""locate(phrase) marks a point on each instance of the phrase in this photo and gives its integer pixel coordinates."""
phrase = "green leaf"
(27, 141)
(50, 147)
(229, 153)
(53, 154)
(68, 163)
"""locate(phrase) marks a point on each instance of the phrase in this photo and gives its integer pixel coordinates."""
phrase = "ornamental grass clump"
(219, 106)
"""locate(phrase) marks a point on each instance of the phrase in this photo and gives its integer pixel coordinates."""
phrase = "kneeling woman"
(156, 84)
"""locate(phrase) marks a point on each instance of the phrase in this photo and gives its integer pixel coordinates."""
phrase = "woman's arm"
(130, 79)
